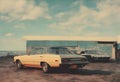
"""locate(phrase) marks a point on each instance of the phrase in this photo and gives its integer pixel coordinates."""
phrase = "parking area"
(93, 72)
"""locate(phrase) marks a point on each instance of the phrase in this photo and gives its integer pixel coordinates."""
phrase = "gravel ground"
(93, 72)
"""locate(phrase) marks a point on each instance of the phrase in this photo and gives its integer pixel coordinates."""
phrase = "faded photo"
(59, 41)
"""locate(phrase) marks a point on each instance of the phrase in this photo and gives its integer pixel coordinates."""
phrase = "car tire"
(19, 65)
(45, 68)
(89, 58)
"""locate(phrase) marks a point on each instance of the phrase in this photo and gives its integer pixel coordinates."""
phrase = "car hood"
(71, 56)
(97, 55)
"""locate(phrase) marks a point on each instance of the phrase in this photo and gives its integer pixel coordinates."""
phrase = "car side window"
(53, 51)
(38, 51)
(42, 51)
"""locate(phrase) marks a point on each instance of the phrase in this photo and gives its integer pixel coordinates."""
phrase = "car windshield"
(61, 51)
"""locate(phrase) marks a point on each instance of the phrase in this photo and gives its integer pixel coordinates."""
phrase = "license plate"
(73, 66)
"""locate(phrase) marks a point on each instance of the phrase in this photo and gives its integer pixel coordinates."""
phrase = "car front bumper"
(73, 65)
(100, 58)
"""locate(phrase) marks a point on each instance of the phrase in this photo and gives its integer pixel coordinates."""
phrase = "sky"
(19, 18)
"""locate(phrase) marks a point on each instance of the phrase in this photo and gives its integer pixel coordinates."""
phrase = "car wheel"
(89, 58)
(19, 65)
(45, 68)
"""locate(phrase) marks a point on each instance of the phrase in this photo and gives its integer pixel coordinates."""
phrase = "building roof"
(72, 38)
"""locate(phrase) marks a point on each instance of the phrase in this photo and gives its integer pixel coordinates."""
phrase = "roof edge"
(71, 38)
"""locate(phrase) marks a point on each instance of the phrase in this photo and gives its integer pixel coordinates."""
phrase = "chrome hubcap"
(45, 67)
(19, 65)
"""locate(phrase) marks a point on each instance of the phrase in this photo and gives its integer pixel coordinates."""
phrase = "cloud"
(105, 15)
(9, 34)
(11, 10)
(20, 26)
(60, 15)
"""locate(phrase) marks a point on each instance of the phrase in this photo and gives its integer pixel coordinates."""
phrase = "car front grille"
(65, 60)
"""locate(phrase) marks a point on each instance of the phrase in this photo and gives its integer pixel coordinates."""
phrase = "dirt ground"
(93, 72)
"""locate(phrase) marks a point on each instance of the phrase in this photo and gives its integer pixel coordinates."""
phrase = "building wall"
(94, 45)
(118, 46)
(118, 51)
(84, 45)
(50, 43)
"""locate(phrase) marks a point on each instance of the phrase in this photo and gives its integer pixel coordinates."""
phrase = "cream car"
(51, 57)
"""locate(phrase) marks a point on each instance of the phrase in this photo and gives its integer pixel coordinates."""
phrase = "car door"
(35, 59)
(25, 59)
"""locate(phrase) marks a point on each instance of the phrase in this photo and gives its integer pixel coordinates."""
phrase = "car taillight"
(56, 60)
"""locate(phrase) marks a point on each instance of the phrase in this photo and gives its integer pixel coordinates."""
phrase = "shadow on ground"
(90, 72)
(78, 71)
